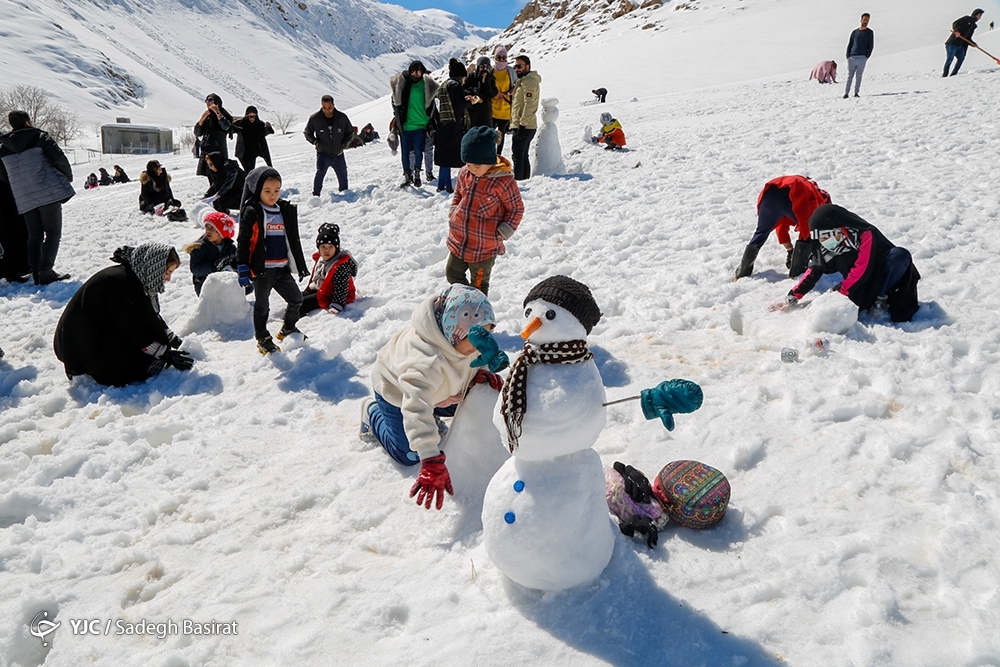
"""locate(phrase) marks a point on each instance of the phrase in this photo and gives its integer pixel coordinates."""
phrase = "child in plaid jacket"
(486, 210)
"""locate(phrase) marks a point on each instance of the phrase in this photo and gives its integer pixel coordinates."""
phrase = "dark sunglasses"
(209, 100)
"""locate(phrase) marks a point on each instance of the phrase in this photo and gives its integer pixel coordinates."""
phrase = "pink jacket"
(825, 72)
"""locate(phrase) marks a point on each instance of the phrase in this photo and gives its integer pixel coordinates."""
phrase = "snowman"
(545, 518)
(548, 152)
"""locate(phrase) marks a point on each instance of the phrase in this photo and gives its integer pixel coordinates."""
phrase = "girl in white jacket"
(422, 373)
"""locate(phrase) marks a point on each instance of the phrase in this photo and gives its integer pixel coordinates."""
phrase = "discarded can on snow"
(789, 355)
(818, 344)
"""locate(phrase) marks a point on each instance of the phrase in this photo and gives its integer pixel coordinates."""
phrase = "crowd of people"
(112, 329)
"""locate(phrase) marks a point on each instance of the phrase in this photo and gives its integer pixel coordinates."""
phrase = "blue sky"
(488, 13)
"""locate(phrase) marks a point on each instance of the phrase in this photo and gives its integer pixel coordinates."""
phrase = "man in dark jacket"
(39, 175)
(481, 88)
(875, 271)
(251, 139)
(330, 131)
(859, 50)
(412, 108)
(14, 266)
(960, 39)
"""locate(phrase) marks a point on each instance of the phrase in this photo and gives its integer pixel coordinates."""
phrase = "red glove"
(432, 482)
(483, 375)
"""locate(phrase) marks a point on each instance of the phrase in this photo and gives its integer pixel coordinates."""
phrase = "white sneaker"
(366, 433)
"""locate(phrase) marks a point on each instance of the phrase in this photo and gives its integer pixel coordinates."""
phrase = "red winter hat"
(223, 223)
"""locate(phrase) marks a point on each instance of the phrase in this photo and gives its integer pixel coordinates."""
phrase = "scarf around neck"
(514, 398)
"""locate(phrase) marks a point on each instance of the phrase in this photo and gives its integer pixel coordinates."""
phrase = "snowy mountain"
(134, 58)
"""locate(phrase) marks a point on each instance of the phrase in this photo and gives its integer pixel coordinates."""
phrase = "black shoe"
(440, 188)
(15, 278)
(409, 179)
(856, 95)
(266, 345)
(416, 178)
(845, 96)
(287, 331)
(450, 190)
(49, 277)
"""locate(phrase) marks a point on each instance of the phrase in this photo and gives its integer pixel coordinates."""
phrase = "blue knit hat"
(479, 146)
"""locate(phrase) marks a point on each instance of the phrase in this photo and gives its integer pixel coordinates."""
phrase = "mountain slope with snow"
(145, 59)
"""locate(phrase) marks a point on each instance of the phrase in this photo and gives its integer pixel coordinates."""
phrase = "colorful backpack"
(693, 494)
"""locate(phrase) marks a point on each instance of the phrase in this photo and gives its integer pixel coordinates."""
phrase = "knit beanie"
(328, 233)
(459, 308)
(456, 70)
(483, 61)
(570, 294)
(254, 183)
(224, 224)
(479, 146)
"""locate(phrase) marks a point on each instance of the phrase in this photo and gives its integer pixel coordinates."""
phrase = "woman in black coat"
(14, 266)
(482, 86)
(111, 329)
(212, 130)
(155, 188)
(225, 182)
(251, 139)
(451, 125)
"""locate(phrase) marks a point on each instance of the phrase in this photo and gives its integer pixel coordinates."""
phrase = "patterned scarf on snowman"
(515, 398)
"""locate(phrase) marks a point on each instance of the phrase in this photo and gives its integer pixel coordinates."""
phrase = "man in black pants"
(40, 177)
(522, 115)
(601, 94)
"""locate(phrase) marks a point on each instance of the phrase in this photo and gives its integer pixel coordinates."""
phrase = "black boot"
(416, 178)
(746, 264)
(800, 257)
(409, 179)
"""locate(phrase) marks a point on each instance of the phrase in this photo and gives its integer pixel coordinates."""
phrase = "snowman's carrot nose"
(532, 327)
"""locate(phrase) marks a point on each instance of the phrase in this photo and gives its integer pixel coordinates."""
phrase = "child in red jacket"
(331, 285)
(486, 210)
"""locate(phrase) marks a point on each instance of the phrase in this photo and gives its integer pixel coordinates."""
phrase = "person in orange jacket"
(784, 201)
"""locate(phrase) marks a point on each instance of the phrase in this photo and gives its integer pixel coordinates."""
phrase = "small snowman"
(548, 152)
(545, 518)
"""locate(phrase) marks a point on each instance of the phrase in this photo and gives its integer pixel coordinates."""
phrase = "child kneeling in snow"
(485, 210)
(421, 375)
(331, 285)
(215, 251)
(612, 135)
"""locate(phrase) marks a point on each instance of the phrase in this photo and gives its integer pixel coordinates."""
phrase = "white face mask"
(830, 242)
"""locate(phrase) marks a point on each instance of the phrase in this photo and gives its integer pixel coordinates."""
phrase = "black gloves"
(180, 360)
(636, 484)
(643, 526)
(173, 340)
(788, 260)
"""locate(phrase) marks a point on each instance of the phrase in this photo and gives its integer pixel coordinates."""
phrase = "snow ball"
(832, 313)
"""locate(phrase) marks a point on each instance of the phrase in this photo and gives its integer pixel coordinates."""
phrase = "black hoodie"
(250, 241)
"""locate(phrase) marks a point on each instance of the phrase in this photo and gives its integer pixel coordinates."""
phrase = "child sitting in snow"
(91, 182)
(331, 285)
(215, 251)
(612, 135)
(485, 210)
(421, 375)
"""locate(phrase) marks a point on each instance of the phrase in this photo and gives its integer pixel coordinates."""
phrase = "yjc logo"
(41, 626)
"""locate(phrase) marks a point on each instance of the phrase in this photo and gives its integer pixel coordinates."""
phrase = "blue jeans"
(956, 51)
(323, 163)
(387, 425)
(774, 205)
(444, 177)
(411, 140)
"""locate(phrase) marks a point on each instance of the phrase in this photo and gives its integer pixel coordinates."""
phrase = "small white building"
(128, 139)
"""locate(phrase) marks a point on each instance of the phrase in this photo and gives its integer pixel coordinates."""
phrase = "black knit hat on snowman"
(328, 233)
(570, 294)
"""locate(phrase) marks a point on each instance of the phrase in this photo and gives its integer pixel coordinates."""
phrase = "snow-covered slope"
(146, 60)
(863, 526)
(683, 44)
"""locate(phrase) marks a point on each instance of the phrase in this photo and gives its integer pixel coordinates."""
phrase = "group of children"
(105, 178)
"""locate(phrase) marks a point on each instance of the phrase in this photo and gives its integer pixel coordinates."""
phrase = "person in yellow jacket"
(522, 115)
(505, 77)
(612, 135)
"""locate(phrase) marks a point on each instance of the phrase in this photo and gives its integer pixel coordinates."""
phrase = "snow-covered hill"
(146, 60)
(863, 525)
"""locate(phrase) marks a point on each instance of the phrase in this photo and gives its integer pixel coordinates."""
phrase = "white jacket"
(417, 369)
